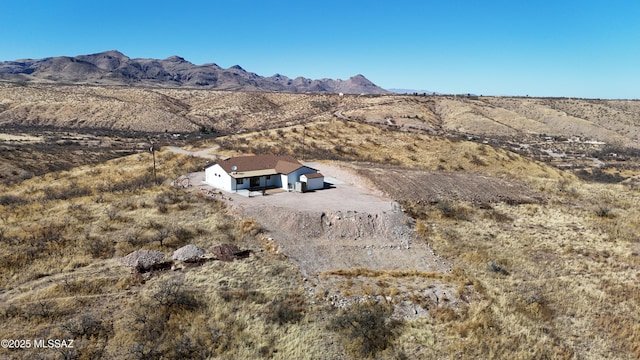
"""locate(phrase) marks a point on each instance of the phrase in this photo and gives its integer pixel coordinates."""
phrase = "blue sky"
(538, 48)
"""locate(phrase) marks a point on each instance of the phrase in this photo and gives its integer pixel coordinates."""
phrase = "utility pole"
(153, 154)
(304, 135)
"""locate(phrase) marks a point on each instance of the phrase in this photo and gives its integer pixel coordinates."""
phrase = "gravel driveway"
(345, 192)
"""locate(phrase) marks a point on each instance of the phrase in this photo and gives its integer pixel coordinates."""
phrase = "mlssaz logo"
(53, 343)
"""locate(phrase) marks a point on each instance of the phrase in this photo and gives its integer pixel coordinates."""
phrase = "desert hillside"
(179, 110)
(453, 227)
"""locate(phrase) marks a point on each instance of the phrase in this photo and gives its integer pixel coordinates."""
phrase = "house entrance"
(254, 181)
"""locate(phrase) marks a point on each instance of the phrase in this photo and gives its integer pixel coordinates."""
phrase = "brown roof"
(282, 164)
(314, 175)
(287, 167)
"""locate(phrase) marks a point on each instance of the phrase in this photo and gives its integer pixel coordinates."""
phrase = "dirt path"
(204, 153)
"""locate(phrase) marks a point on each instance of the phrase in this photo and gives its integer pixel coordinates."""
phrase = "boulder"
(143, 260)
(188, 253)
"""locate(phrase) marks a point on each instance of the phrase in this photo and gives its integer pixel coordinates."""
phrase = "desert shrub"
(70, 191)
(322, 105)
(172, 295)
(170, 197)
(112, 213)
(476, 160)
(46, 311)
(154, 225)
(287, 309)
(147, 325)
(414, 209)
(599, 176)
(154, 333)
(163, 208)
(604, 212)
(131, 184)
(495, 267)
(52, 232)
(422, 228)
(497, 216)
(123, 248)
(161, 235)
(99, 248)
(242, 294)
(136, 238)
(367, 328)
(88, 325)
(449, 210)
(8, 199)
(183, 234)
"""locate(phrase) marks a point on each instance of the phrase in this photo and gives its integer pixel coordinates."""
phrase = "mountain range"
(115, 68)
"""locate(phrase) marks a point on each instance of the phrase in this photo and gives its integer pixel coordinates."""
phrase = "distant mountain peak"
(114, 53)
(175, 58)
(114, 68)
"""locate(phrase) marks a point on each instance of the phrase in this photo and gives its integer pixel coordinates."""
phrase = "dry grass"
(63, 232)
(386, 274)
(350, 141)
(549, 277)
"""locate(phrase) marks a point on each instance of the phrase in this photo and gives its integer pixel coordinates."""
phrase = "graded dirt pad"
(345, 226)
(436, 186)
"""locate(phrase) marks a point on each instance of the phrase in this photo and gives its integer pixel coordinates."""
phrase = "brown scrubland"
(543, 250)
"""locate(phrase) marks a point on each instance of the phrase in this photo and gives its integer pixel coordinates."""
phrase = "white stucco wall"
(216, 176)
(313, 184)
(295, 176)
(284, 180)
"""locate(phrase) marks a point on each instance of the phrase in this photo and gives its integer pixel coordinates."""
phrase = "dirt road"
(205, 153)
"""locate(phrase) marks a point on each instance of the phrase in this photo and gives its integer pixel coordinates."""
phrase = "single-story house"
(256, 172)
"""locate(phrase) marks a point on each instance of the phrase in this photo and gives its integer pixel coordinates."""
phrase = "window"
(239, 181)
(268, 177)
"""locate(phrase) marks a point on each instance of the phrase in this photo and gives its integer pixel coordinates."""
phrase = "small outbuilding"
(315, 181)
